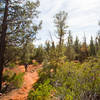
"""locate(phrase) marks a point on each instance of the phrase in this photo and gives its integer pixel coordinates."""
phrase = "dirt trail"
(30, 78)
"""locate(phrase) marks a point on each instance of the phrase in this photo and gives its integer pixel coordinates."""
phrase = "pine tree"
(84, 50)
(70, 53)
(60, 22)
(77, 49)
(92, 48)
(96, 45)
(47, 46)
(39, 54)
(16, 25)
(98, 38)
(3, 40)
(27, 53)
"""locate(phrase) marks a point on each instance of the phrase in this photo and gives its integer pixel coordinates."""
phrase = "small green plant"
(42, 92)
(8, 75)
(18, 80)
(11, 65)
(12, 78)
(35, 63)
(68, 97)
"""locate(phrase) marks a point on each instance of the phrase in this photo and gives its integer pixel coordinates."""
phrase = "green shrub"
(42, 92)
(39, 54)
(35, 63)
(79, 81)
(8, 75)
(68, 97)
(11, 65)
(12, 78)
(72, 81)
(18, 80)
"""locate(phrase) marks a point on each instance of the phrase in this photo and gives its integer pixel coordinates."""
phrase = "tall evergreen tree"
(70, 39)
(39, 54)
(70, 53)
(3, 40)
(47, 46)
(98, 38)
(60, 22)
(92, 48)
(96, 45)
(77, 49)
(17, 26)
(27, 53)
(84, 50)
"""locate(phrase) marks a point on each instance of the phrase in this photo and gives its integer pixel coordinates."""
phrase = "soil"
(30, 77)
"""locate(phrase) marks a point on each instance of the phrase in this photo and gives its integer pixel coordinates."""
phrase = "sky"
(83, 18)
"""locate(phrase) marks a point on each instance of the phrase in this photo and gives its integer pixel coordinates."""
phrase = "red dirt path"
(30, 78)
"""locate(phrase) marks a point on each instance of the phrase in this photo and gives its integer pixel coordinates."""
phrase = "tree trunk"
(3, 41)
(60, 44)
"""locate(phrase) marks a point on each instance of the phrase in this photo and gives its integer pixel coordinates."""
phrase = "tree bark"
(3, 41)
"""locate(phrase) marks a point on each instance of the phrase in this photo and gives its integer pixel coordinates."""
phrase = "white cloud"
(83, 16)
